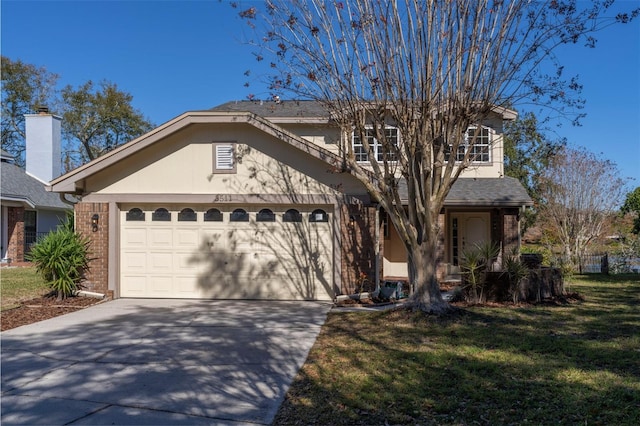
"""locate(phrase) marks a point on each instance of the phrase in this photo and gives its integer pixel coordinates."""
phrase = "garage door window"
(135, 215)
(292, 215)
(319, 215)
(239, 215)
(213, 215)
(187, 215)
(265, 215)
(161, 215)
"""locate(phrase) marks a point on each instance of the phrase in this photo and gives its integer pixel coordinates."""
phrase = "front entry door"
(467, 230)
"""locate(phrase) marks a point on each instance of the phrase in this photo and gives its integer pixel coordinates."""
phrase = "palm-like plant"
(516, 271)
(61, 257)
(473, 266)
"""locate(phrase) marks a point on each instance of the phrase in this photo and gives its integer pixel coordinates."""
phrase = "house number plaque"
(222, 198)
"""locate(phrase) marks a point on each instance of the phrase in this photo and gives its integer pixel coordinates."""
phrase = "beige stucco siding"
(183, 164)
(323, 135)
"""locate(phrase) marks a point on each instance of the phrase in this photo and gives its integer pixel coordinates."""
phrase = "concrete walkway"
(157, 362)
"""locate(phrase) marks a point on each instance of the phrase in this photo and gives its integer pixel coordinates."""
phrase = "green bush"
(516, 271)
(61, 257)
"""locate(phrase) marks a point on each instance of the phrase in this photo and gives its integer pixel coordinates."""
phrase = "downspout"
(64, 200)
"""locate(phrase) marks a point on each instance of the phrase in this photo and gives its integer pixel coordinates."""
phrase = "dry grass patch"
(574, 363)
(18, 284)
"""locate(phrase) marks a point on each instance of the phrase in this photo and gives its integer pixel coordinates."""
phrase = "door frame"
(457, 230)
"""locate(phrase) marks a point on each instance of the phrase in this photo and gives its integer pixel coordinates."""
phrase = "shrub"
(472, 266)
(61, 257)
(516, 271)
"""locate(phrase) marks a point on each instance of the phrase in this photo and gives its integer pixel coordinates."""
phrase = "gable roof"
(72, 182)
(17, 185)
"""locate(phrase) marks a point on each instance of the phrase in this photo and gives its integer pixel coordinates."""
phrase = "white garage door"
(226, 253)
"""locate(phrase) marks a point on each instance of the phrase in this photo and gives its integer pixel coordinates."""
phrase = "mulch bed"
(42, 308)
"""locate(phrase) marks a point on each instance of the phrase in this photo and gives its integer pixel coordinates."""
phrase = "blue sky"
(175, 56)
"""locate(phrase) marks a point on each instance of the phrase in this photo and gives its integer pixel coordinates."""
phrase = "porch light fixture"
(94, 222)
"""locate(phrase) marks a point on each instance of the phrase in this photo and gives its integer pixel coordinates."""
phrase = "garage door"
(210, 252)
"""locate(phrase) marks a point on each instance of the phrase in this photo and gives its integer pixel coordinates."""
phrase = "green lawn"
(17, 284)
(576, 363)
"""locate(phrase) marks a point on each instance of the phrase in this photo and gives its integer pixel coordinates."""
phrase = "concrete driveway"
(157, 362)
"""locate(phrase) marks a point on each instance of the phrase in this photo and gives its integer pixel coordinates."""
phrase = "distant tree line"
(96, 117)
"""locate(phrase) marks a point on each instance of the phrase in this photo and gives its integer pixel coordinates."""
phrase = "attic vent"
(224, 157)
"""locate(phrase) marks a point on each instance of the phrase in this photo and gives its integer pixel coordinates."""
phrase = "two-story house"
(247, 200)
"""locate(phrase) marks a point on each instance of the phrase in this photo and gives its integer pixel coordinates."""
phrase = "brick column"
(15, 234)
(97, 277)
(511, 231)
(357, 229)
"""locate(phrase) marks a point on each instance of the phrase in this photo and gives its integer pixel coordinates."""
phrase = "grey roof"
(17, 185)
(281, 109)
(483, 192)
(504, 191)
(5, 155)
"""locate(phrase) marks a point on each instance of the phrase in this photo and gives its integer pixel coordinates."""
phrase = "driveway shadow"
(137, 361)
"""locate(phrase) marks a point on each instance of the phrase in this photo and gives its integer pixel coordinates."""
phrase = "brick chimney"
(43, 145)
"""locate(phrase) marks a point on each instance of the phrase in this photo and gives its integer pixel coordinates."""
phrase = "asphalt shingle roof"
(16, 184)
(271, 109)
(504, 191)
(483, 192)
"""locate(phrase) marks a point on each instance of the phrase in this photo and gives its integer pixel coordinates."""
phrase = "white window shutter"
(224, 157)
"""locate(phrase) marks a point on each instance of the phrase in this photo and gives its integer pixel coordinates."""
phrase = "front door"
(467, 230)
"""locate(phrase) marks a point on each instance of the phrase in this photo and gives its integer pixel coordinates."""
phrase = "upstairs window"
(360, 152)
(480, 152)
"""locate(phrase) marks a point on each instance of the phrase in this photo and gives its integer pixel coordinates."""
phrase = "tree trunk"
(422, 275)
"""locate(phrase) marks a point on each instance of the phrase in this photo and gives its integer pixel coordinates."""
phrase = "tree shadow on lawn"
(566, 364)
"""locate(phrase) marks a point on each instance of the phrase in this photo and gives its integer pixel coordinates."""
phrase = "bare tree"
(430, 68)
(580, 194)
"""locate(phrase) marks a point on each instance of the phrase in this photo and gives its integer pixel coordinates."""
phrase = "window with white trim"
(223, 158)
(481, 148)
(360, 152)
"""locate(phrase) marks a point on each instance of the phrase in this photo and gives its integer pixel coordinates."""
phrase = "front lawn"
(575, 363)
(20, 283)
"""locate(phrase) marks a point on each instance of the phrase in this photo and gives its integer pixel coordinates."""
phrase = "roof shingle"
(16, 184)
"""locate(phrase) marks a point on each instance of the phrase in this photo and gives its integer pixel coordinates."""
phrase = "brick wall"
(15, 234)
(358, 246)
(510, 235)
(97, 276)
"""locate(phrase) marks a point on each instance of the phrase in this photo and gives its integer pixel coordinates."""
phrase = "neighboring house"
(246, 201)
(27, 209)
